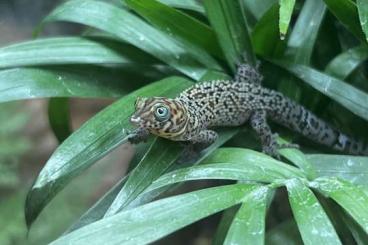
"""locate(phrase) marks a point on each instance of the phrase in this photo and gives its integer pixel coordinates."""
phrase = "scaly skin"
(191, 116)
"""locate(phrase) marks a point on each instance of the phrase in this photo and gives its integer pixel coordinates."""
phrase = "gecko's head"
(161, 116)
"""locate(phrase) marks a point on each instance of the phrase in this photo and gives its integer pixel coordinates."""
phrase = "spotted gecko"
(191, 116)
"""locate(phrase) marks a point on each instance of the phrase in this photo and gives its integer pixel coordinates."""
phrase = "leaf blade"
(314, 225)
(286, 11)
(129, 228)
(248, 225)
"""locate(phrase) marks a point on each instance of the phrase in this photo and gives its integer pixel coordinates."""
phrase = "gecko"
(194, 114)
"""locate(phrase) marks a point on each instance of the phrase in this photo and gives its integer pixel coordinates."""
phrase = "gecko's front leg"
(197, 143)
(138, 135)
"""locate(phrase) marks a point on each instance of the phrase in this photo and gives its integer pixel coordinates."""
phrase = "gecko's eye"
(162, 113)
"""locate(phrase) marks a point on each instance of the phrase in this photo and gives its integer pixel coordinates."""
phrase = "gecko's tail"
(303, 121)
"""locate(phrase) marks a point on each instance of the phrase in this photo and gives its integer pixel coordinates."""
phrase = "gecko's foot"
(272, 150)
(189, 154)
(283, 146)
(138, 135)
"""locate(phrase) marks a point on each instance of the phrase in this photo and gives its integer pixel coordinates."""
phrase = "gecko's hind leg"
(258, 122)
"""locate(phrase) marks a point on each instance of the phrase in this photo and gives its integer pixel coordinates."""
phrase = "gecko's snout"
(135, 120)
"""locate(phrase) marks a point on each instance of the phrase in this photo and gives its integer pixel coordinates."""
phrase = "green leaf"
(345, 63)
(265, 35)
(348, 96)
(258, 8)
(224, 135)
(76, 81)
(349, 196)
(92, 141)
(363, 15)
(314, 225)
(133, 30)
(346, 11)
(185, 4)
(351, 168)
(304, 34)
(286, 11)
(59, 118)
(72, 50)
(300, 46)
(159, 158)
(298, 158)
(229, 24)
(177, 24)
(248, 226)
(165, 216)
(233, 164)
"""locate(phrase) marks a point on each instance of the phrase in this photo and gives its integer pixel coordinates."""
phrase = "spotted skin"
(204, 106)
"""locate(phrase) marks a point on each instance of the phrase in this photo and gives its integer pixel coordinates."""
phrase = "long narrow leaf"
(185, 4)
(248, 226)
(92, 141)
(76, 81)
(148, 195)
(165, 216)
(363, 16)
(159, 158)
(314, 225)
(228, 21)
(59, 118)
(72, 50)
(286, 10)
(266, 36)
(177, 24)
(351, 168)
(131, 29)
(346, 11)
(98, 210)
(232, 164)
(349, 196)
(353, 99)
(345, 63)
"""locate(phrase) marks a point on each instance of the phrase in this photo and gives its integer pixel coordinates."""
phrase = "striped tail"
(301, 120)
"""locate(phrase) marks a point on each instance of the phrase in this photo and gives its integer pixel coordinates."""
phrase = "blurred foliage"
(12, 144)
